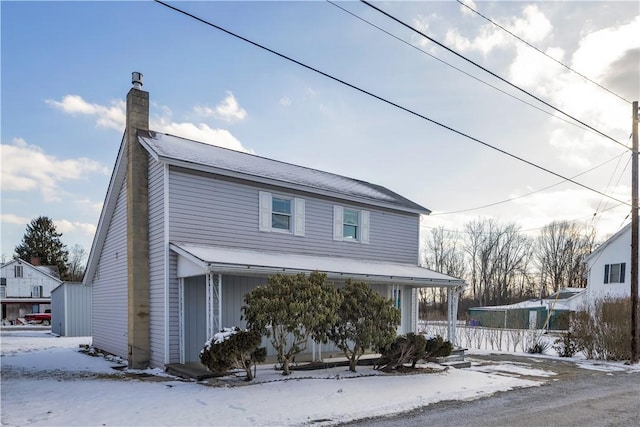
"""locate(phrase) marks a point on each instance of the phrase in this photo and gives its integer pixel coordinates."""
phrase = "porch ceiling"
(225, 260)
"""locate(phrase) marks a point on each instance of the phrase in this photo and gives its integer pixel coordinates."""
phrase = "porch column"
(214, 304)
(452, 313)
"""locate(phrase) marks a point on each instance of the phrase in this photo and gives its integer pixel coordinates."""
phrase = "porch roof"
(253, 262)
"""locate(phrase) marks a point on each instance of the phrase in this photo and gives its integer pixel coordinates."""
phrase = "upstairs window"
(281, 214)
(614, 273)
(350, 225)
(3, 291)
(18, 270)
(36, 292)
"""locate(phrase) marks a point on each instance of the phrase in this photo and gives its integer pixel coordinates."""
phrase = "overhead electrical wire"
(570, 221)
(502, 79)
(573, 123)
(380, 98)
(542, 52)
(527, 194)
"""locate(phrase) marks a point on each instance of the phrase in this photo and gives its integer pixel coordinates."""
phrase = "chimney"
(35, 260)
(137, 226)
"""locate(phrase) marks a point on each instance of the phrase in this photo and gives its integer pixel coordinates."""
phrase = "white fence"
(498, 339)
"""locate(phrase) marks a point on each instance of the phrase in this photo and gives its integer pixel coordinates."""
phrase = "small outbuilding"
(546, 313)
(71, 310)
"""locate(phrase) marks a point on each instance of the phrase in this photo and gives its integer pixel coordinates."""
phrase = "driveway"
(574, 394)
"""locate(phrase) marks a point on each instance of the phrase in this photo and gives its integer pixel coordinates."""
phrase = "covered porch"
(212, 281)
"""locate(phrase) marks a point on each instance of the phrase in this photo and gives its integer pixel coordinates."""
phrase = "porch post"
(214, 312)
(452, 313)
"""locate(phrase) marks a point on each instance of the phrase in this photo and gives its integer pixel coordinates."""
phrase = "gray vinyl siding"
(209, 210)
(71, 310)
(109, 300)
(157, 263)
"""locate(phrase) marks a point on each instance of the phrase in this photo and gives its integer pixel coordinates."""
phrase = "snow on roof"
(193, 154)
(232, 260)
(560, 303)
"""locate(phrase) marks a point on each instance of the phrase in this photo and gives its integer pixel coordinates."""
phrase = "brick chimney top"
(35, 260)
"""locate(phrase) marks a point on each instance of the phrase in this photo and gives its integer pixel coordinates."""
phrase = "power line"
(449, 128)
(527, 194)
(502, 79)
(538, 228)
(456, 68)
(542, 52)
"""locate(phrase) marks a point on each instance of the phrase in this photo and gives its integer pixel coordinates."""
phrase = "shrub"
(410, 348)
(604, 332)
(291, 309)
(539, 346)
(566, 345)
(233, 348)
(365, 320)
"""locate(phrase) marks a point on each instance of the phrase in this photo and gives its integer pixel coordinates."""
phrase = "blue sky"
(66, 68)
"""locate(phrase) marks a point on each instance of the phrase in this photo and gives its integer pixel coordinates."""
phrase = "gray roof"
(246, 261)
(201, 156)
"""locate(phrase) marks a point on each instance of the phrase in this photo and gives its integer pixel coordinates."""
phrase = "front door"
(194, 317)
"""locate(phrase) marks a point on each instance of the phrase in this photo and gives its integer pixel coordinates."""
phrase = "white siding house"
(25, 289)
(211, 224)
(609, 268)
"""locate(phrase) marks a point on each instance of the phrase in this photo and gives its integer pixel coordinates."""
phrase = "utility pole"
(634, 233)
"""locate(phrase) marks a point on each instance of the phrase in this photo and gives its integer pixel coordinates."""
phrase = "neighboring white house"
(609, 268)
(25, 288)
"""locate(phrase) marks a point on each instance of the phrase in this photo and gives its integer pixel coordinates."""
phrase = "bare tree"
(499, 256)
(560, 252)
(443, 254)
(76, 265)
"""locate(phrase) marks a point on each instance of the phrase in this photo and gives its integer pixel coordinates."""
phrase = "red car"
(41, 318)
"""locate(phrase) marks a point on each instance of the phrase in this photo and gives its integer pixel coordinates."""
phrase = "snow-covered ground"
(47, 381)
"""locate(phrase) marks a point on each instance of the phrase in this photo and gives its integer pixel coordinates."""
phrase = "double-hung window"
(36, 291)
(614, 273)
(351, 225)
(281, 214)
(18, 270)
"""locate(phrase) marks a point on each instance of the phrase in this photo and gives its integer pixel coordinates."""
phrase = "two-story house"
(25, 288)
(609, 268)
(188, 228)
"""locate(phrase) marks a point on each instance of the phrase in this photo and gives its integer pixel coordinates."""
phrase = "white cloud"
(228, 110)
(14, 219)
(533, 27)
(285, 101)
(66, 226)
(598, 50)
(112, 117)
(467, 11)
(203, 133)
(27, 168)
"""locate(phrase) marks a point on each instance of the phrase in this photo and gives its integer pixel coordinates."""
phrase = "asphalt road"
(573, 397)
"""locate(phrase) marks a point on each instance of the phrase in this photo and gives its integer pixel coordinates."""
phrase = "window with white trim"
(283, 214)
(614, 273)
(18, 270)
(36, 291)
(350, 225)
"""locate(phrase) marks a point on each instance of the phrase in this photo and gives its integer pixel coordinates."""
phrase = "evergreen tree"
(42, 241)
